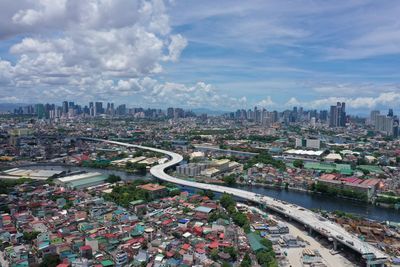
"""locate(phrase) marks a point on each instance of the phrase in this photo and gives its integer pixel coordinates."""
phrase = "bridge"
(311, 220)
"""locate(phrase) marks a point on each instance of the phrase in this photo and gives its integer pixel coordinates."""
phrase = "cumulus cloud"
(267, 102)
(200, 94)
(292, 102)
(382, 99)
(92, 46)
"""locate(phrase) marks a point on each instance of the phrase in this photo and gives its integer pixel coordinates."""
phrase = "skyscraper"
(373, 115)
(65, 107)
(384, 124)
(338, 115)
(98, 106)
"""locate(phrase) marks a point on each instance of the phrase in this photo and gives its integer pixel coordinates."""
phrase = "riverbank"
(319, 201)
(299, 197)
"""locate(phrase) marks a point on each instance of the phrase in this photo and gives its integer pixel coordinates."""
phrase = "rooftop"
(151, 187)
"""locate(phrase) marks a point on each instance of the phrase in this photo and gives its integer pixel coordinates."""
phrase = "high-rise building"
(170, 112)
(40, 111)
(98, 107)
(338, 115)
(121, 110)
(323, 115)
(65, 107)
(373, 115)
(384, 124)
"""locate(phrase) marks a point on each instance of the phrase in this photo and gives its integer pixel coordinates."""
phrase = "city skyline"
(221, 56)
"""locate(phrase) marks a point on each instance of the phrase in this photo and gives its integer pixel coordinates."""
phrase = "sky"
(220, 55)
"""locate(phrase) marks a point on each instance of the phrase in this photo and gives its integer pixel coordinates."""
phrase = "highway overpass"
(309, 219)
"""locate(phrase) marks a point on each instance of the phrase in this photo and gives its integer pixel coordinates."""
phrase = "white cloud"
(364, 103)
(292, 102)
(92, 46)
(267, 102)
(176, 46)
(9, 99)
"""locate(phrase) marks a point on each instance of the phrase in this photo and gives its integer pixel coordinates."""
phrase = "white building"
(384, 124)
(308, 143)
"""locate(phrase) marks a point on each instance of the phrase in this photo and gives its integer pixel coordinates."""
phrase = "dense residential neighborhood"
(68, 201)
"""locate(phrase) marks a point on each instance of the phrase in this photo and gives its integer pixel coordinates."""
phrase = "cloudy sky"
(223, 54)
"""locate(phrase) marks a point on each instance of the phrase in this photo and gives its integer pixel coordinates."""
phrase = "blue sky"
(216, 54)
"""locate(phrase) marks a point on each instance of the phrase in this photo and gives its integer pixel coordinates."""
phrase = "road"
(309, 219)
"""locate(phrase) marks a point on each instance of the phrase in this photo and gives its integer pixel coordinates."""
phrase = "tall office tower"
(384, 124)
(178, 113)
(372, 117)
(323, 115)
(338, 115)
(40, 111)
(257, 115)
(170, 112)
(98, 106)
(121, 110)
(395, 127)
(390, 113)
(112, 109)
(65, 107)
(342, 115)
(71, 105)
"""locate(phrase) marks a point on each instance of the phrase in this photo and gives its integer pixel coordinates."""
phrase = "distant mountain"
(207, 111)
(4, 107)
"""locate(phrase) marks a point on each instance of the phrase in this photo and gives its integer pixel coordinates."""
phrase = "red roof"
(200, 250)
(225, 244)
(198, 230)
(352, 180)
(136, 240)
(185, 246)
(166, 222)
(371, 182)
(213, 245)
(87, 247)
(109, 235)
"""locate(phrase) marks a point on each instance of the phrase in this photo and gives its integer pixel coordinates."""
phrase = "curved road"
(308, 218)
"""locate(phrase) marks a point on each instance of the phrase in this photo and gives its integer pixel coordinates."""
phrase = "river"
(316, 201)
(306, 200)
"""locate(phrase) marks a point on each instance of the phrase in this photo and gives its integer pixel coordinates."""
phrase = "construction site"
(383, 235)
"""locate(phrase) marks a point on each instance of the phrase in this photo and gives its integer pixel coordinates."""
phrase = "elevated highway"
(313, 221)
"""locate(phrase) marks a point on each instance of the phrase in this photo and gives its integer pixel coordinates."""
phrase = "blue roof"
(263, 234)
(183, 220)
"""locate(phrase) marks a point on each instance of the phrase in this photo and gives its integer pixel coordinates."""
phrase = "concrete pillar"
(334, 244)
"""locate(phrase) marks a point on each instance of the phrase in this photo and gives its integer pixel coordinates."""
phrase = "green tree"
(232, 252)
(112, 178)
(230, 180)
(50, 260)
(214, 254)
(298, 163)
(208, 193)
(30, 236)
(227, 200)
(246, 262)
